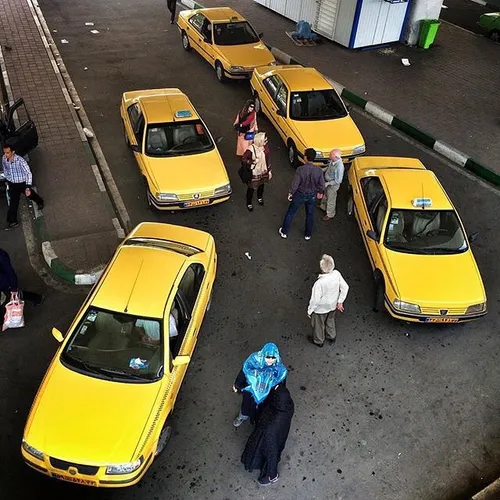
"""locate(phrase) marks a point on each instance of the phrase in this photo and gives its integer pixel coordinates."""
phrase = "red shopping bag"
(14, 317)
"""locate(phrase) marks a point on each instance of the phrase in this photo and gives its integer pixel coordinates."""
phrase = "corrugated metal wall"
(326, 17)
(345, 18)
(308, 11)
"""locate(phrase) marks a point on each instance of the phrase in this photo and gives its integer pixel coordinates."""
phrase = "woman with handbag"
(245, 125)
(257, 158)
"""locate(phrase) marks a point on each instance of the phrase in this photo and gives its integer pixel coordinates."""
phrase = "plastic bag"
(14, 317)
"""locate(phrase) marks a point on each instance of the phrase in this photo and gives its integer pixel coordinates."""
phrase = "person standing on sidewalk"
(9, 284)
(327, 297)
(19, 178)
(171, 5)
(307, 185)
(261, 371)
(334, 174)
(258, 156)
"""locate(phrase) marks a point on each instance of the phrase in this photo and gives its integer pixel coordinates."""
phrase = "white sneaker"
(307, 238)
(282, 234)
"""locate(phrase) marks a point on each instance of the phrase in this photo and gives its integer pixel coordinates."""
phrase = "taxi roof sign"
(183, 113)
(421, 202)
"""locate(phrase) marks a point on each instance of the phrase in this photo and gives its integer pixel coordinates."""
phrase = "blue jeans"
(309, 200)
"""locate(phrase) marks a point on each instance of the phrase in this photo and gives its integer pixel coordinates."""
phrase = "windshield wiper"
(122, 373)
(86, 366)
(402, 248)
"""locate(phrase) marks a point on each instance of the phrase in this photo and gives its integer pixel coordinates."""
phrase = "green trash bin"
(428, 31)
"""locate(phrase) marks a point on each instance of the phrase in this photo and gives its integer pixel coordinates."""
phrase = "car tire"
(350, 202)
(219, 72)
(378, 301)
(293, 156)
(495, 35)
(185, 42)
(148, 201)
(164, 438)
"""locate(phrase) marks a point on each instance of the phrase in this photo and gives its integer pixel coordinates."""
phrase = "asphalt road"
(465, 13)
(393, 411)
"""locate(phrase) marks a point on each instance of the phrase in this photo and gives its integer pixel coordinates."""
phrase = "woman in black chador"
(267, 441)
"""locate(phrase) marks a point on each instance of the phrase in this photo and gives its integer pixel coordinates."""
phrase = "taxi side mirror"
(57, 335)
(135, 148)
(207, 39)
(280, 112)
(261, 35)
(181, 360)
(372, 235)
(473, 237)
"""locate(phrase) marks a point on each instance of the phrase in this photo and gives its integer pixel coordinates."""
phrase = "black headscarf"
(267, 441)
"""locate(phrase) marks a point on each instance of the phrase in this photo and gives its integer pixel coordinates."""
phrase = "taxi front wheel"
(185, 42)
(350, 202)
(219, 71)
(164, 438)
(378, 302)
(293, 157)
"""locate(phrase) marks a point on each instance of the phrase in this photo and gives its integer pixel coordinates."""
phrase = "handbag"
(245, 171)
(249, 136)
(14, 316)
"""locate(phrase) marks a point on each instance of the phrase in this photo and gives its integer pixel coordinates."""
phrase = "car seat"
(315, 102)
(423, 225)
(181, 133)
(111, 334)
(157, 140)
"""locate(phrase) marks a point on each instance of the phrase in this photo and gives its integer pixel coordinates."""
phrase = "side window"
(206, 30)
(372, 193)
(282, 98)
(272, 84)
(197, 21)
(380, 214)
(184, 302)
(139, 130)
(133, 114)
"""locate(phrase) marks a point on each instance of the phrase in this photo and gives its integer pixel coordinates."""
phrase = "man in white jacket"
(327, 296)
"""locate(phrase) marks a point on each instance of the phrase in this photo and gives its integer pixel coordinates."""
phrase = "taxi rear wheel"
(185, 42)
(293, 157)
(219, 71)
(378, 302)
(165, 435)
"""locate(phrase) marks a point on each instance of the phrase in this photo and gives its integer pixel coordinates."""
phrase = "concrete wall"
(420, 9)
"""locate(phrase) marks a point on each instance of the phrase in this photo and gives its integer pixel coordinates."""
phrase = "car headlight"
(237, 69)
(359, 150)
(32, 450)
(476, 308)
(406, 306)
(319, 154)
(226, 189)
(125, 468)
(167, 197)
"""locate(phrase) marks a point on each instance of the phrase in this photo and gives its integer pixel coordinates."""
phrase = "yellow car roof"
(298, 78)
(160, 106)
(366, 162)
(404, 185)
(221, 14)
(139, 281)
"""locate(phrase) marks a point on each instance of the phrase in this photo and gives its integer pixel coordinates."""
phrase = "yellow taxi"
(306, 111)
(419, 251)
(225, 39)
(177, 156)
(100, 416)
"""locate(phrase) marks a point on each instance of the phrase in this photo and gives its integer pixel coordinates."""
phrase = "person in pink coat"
(245, 125)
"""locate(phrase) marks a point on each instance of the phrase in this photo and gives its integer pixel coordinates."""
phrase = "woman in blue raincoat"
(261, 371)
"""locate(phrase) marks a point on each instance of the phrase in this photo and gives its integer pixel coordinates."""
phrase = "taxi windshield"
(316, 105)
(177, 138)
(116, 346)
(425, 232)
(238, 33)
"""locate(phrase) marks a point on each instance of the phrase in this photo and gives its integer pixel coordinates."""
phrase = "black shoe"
(312, 342)
(11, 225)
(250, 208)
(40, 206)
(39, 301)
(261, 201)
(332, 341)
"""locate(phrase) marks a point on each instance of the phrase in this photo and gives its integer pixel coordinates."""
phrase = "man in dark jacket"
(308, 183)
(9, 284)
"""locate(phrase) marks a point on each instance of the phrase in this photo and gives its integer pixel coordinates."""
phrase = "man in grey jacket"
(334, 174)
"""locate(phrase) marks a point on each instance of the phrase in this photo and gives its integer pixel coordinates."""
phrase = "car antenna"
(133, 286)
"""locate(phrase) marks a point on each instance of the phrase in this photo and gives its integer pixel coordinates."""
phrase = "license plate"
(77, 480)
(441, 320)
(196, 203)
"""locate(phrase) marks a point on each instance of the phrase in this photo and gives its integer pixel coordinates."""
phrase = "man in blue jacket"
(9, 284)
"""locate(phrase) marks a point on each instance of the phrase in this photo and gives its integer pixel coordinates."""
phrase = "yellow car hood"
(189, 173)
(246, 55)
(437, 280)
(88, 420)
(324, 135)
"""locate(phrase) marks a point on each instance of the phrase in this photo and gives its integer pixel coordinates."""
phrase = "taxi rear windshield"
(238, 33)
(425, 232)
(316, 105)
(177, 138)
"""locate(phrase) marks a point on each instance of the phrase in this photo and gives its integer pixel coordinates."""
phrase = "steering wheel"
(190, 138)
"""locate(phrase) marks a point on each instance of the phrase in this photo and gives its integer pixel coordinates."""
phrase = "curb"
(491, 492)
(441, 147)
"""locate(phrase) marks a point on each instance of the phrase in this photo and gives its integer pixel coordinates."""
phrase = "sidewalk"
(78, 230)
(450, 91)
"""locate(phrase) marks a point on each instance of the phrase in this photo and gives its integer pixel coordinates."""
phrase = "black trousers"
(172, 4)
(250, 191)
(16, 189)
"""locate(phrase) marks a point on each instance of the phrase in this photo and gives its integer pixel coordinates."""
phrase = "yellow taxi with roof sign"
(419, 251)
(307, 112)
(177, 156)
(225, 39)
(100, 416)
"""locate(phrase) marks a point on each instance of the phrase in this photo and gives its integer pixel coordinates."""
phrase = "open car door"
(25, 137)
